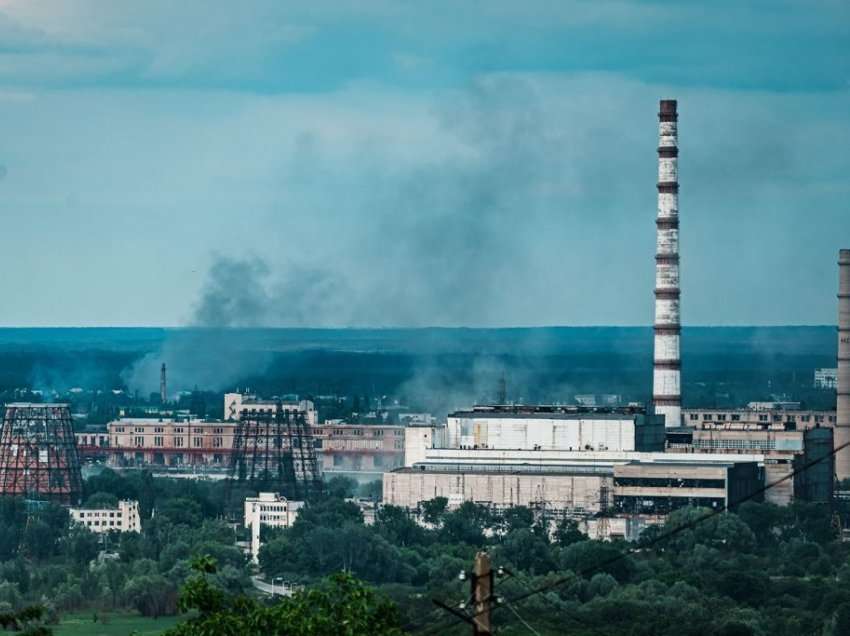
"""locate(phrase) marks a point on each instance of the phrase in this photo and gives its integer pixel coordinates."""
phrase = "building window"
(140, 441)
(178, 441)
(140, 429)
(694, 416)
(199, 441)
(157, 441)
(158, 429)
(217, 442)
(736, 418)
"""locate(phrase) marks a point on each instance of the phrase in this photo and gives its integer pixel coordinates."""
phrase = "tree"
(341, 487)
(152, 595)
(586, 558)
(102, 500)
(339, 605)
(517, 518)
(81, 545)
(466, 524)
(396, 526)
(527, 551)
(567, 533)
(434, 509)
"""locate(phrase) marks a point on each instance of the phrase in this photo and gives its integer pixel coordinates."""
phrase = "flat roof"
(505, 469)
(37, 404)
(551, 412)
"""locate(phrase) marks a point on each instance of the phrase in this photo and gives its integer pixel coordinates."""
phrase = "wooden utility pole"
(482, 594)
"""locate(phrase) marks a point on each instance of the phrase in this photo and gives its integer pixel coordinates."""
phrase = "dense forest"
(433, 369)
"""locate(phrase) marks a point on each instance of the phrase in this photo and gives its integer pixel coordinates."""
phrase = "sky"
(395, 163)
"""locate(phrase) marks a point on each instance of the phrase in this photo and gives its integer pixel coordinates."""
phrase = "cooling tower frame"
(38, 454)
(275, 450)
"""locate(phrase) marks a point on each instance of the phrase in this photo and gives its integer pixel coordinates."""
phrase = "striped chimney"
(842, 406)
(666, 377)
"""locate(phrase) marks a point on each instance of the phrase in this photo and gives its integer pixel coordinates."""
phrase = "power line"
(510, 606)
(664, 536)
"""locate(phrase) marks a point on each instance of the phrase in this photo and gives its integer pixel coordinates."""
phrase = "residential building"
(238, 404)
(124, 518)
(170, 442)
(268, 509)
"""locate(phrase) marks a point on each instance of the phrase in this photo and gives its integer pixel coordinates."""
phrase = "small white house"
(268, 509)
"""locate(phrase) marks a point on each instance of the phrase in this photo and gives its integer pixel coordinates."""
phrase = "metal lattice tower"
(38, 454)
(275, 451)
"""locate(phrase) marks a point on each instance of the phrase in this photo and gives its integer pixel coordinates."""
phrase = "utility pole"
(482, 594)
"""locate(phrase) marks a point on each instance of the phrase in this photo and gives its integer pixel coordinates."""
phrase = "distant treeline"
(442, 368)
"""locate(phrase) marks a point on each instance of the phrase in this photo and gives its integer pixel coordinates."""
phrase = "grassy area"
(81, 624)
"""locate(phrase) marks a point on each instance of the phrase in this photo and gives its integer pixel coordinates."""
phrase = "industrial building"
(572, 482)
(555, 427)
(759, 414)
(826, 379)
(124, 518)
(661, 487)
(360, 451)
(782, 437)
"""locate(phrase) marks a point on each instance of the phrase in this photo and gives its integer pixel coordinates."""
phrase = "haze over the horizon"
(391, 163)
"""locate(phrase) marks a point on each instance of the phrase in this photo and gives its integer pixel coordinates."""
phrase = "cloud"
(270, 46)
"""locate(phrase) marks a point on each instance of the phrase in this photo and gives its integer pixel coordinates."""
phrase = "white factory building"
(555, 428)
(563, 459)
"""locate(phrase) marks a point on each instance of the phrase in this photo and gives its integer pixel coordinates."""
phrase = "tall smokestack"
(666, 377)
(163, 392)
(842, 421)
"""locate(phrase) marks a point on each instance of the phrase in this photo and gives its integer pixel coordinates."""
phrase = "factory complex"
(629, 465)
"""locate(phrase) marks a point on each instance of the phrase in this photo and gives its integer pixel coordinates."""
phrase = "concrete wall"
(559, 492)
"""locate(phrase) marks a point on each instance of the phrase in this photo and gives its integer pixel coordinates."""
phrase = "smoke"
(454, 237)
(245, 293)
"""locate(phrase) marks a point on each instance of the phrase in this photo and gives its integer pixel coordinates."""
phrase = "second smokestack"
(842, 406)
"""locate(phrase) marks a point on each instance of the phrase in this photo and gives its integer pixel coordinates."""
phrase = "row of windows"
(737, 444)
(668, 482)
(159, 441)
(762, 417)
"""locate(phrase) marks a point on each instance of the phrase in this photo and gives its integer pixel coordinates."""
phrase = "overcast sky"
(417, 163)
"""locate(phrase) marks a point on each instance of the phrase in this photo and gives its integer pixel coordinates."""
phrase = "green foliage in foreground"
(338, 606)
